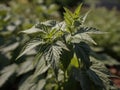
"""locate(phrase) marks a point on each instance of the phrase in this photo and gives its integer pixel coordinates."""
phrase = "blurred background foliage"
(17, 15)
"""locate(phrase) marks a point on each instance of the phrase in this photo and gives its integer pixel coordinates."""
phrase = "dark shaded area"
(109, 4)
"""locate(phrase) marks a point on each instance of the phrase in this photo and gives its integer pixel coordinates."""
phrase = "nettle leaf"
(82, 52)
(60, 26)
(85, 37)
(90, 30)
(37, 58)
(29, 46)
(6, 73)
(41, 51)
(97, 65)
(45, 24)
(68, 16)
(77, 11)
(83, 78)
(95, 78)
(49, 23)
(68, 12)
(84, 17)
(33, 30)
(67, 19)
(40, 27)
(82, 37)
(41, 67)
(103, 74)
(62, 45)
(52, 56)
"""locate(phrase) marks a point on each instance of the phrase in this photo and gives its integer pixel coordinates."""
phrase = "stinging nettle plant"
(62, 59)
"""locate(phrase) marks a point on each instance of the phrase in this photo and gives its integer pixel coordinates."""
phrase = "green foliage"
(109, 42)
(15, 15)
(51, 40)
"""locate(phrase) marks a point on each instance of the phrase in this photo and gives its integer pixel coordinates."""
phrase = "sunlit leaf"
(33, 30)
(90, 30)
(84, 17)
(50, 23)
(82, 37)
(41, 67)
(103, 74)
(31, 45)
(77, 11)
